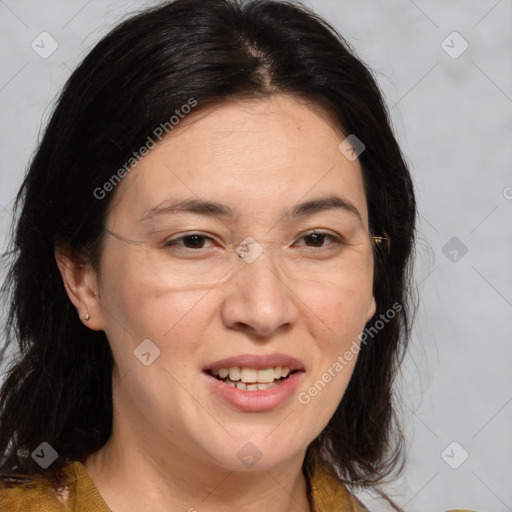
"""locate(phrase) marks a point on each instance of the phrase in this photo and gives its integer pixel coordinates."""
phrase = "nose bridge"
(258, 262)
(259, 296)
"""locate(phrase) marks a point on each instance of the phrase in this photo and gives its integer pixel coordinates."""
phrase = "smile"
(252, 379)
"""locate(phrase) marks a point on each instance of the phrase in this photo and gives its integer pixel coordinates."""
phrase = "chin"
(254, 455)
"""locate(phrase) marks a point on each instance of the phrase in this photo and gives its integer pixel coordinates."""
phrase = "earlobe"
(80, 283)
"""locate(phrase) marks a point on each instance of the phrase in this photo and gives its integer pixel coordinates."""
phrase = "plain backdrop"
(445, 68)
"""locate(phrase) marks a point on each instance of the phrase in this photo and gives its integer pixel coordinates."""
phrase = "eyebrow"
(214, 209)
(323, 204)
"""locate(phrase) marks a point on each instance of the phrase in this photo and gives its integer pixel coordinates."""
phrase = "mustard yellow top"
(79, 494)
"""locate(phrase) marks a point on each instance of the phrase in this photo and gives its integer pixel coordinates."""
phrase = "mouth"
(255, 382)
(252, 379)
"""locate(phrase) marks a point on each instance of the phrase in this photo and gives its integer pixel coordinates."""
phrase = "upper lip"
(258, 362)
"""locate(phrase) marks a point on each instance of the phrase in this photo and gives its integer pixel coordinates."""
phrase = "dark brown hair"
(58, 387)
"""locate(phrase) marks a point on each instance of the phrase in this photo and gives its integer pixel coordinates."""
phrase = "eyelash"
(175, 242)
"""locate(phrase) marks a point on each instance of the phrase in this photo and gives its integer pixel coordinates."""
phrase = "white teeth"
(234, 373)
(265, 376)
(251, 379)
(249, 375)
(261, 387)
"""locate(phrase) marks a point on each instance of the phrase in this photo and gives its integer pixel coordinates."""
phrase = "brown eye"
(194, 241)
(316, 239)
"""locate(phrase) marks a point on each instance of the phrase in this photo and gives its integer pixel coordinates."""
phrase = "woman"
(210, 280)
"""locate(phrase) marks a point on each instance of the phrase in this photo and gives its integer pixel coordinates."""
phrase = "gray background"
(453, 117)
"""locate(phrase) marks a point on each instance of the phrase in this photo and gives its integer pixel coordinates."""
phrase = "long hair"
(58, 388)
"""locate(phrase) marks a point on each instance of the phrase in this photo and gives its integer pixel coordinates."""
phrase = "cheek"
(337, 311)
(337, 315)
(137, 307)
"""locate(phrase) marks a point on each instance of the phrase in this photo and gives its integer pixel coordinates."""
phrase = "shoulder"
(36, 493)
(328, 494)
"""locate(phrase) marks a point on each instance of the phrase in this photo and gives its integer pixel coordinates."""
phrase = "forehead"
(258, 135)
(253, 155)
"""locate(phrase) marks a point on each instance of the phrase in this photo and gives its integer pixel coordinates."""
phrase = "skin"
(174, 443)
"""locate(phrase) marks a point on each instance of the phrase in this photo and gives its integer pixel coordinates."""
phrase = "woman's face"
(292, 298)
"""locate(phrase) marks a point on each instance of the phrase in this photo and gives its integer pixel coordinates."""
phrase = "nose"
(260, 301)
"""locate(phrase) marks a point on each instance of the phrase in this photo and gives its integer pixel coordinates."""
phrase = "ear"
(372, 308)
(81, 284)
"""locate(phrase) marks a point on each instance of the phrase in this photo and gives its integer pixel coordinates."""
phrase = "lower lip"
(256, 401)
